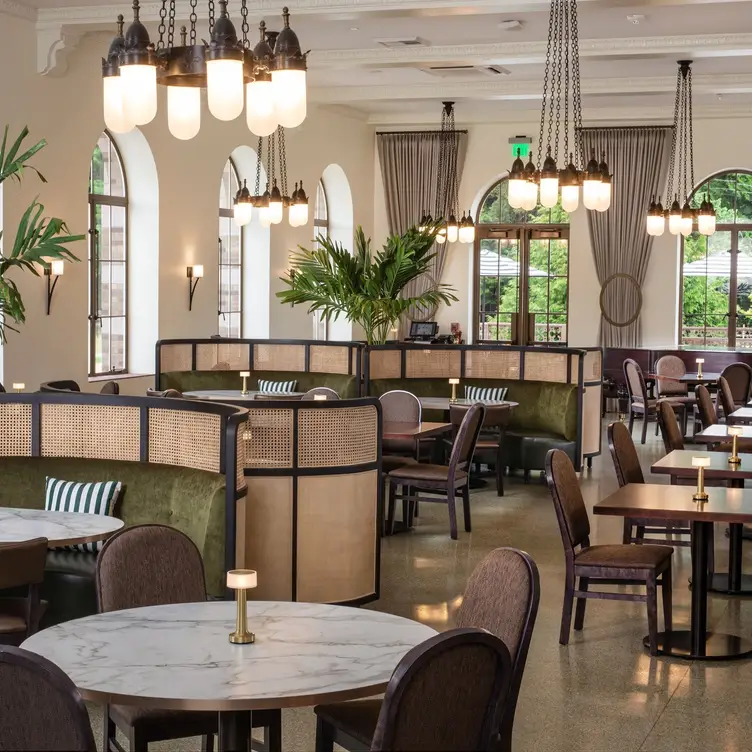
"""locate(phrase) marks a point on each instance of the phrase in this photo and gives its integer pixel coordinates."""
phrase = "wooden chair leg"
(207, 743)
(137, 742)
(640, 533)
(566, 611)
(500, 468)
(324, 736)
(626, 536)
(466, 507)
(108, 729)
(667, 600)
(391, 510)
(452, 514)
(631, 420)
(652, 604)
(579, 616)
(644, 426)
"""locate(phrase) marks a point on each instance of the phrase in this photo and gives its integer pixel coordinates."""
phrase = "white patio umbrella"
(492, 264)
(719, 265)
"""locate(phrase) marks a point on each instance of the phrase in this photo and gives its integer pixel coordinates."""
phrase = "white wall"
(67, 111)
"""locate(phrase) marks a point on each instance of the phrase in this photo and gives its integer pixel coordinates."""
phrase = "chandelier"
(274, 200)
(270, 79)
(447, 186)
(681, 217)
(561, 90)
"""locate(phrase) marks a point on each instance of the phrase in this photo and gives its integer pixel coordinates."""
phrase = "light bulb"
(467, 234)
(591, 193)
(259, 108)
(452, 230)
(139, 85)
(264, 217)
(224, 88)
(242, 213)
(299, 212)
(183, 111)
(656, 225)
(516, 193)
(275, 211)
(441, 238)
(290, 97)
(531, 196)
(570, 197)
(114, 114)
(685, 226)
(674, 223)
(549, 191)
(604, 196)
(706, 224)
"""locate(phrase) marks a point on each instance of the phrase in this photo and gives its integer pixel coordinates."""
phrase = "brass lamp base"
(700, 497)
(735, 460)
(242, 638)
(241, 635)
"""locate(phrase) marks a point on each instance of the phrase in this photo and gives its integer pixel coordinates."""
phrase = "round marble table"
(180, 657)
(60, 528)
(235, 395)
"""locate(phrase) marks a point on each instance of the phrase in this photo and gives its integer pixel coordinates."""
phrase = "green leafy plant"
(366, 288)
(39, 239)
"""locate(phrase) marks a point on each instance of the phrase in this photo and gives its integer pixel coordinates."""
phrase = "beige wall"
(66, 110)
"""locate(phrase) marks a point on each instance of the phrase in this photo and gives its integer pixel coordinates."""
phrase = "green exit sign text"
(521, 150)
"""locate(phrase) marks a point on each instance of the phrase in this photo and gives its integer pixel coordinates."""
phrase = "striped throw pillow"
(85, 498)
(486, 392)
(276, 387)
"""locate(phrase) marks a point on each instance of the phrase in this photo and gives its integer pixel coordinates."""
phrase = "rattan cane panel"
(175, 358)
(327, 359)
(384, 364)
(101, 432)
(15, 430)
(429, 364)
(337, 437)
(593, 367)
(268, 438)
(240, 462)
(233, 356)
(279, 357)
(185, 437)
(591, 420)
(546, 366)
(338, 515)
(492, 364)
(354, 354)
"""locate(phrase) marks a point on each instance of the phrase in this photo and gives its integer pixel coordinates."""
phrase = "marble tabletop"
(60, 528)
(235, 395)
(179, 656)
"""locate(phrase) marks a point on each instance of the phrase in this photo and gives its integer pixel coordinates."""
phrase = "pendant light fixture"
(243, 206)
(270, 79)
(561, 90)
(681, 216)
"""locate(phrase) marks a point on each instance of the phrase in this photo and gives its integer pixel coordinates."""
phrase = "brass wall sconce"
(194, 274)
(53, 271)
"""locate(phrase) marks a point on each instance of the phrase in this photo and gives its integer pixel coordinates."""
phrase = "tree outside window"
(230, 307)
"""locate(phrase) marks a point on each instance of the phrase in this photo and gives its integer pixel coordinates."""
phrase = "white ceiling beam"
(20, 10)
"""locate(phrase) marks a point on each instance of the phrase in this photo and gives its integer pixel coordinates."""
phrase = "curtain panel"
(638, 158)
(410, 169)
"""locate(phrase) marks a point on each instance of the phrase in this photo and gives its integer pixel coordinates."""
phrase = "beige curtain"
(409, 168)
(638, 159)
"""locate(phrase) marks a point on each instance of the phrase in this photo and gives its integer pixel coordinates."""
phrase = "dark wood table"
(678, 464)
(417, 431)
(719, 433)
(742, 415)
(729, 505)
(689, 378)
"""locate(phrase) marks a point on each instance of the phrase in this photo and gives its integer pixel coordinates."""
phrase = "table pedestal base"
(718, 647)
(235, 731)
(719, 583)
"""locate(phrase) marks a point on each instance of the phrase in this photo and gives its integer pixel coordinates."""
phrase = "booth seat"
(545, 418)
(190, 500)
(188, 381)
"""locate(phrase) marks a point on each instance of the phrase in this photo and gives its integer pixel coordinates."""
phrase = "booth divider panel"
(268, 438)
(329, 359)
(492, 364)
(103, 432)
(333, 508)
(593, 367)
(274, 357)
(591, 420)
(337, 437)
(354, 354)
(181, 437)
(15, 435)
(222, 357)
(240, 455)
(547, 366)
(384, 364)
(175, 358)
(429, 363)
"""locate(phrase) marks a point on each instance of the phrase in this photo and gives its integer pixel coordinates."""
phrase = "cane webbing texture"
(240, 466)
(492, 364)
(593, 366)
(15, 430)
(278, 357)
(175, 358)
(100, 432)
(426, 364)
(328, 359)
(546, 366)
(384, 364)
(233, 356)
(354, 360)
(333, 437)
(187, 438)
(268, 438)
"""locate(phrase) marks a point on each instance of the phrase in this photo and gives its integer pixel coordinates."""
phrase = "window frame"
(225, 213)
(317, 222)
(94, 200)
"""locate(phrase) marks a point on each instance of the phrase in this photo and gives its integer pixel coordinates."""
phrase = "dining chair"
(111, 387)
(705, 407)
(324, 391)
(400, 406)
(502, 597)
(726, 399)
(670, 431)
(441, 479)
(150, 565)
(668, 371)
(164, 393)
(21, 566)
(42, 710)
(615, 564)
(739, 378)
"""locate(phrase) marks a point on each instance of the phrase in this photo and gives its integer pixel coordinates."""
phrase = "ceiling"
(628, 64)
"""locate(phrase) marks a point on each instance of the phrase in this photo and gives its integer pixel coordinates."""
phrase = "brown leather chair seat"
(390, 462)
(619, 555)
(426, 472)
(13, 615)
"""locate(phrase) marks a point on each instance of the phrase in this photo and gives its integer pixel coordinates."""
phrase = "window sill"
(119, 377)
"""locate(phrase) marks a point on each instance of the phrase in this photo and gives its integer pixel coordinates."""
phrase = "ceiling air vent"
(393, 42)
(466, 71)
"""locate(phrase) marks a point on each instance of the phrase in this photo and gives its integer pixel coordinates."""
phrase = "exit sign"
(521, 150)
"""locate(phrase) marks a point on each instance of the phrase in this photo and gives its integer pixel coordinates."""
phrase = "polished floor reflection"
(600, 693)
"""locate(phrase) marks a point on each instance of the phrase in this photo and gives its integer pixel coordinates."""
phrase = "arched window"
(321, 212)
(716, 287)
(521, 272)
(108, 259)
(230, 257)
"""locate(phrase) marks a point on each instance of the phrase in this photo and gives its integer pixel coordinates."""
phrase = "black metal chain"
(162, 26)
(452, 165)
(577, 90)
(211, 16)
(683, 138)
(567, 42)
(271, 168)
(282, 160)
(558, 63)
(246, 27)
(691, 133)
(440, 188)
(259, 158)
(194, 20)
(674, 138)
(549, 46)
(171, 25)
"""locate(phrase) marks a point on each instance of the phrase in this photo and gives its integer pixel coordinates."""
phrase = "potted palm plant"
(366, 287)
(39, 239)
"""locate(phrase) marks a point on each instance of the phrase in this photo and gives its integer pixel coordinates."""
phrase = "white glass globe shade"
(290, 97)
(264, 217)
(299, 215)
(114, 114)
(275, 212)
(467, 234)
(453, 233)
(674, 223)
(685, 226)
(259, 108)
(591, 193)
(656, 225)
(441, 238)
(570, 197)
(604, 196)
(531, 196)
(549, 192)
(139, 85)
(183, 111)
(242, 213)
(706, 224)
(516, 193)
(225, 88)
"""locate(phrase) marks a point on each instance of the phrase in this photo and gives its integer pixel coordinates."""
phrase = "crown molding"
(54, 45)
(19, 10)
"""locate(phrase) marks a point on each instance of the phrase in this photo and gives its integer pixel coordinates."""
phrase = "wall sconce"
(54, 269)
(194, 274)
